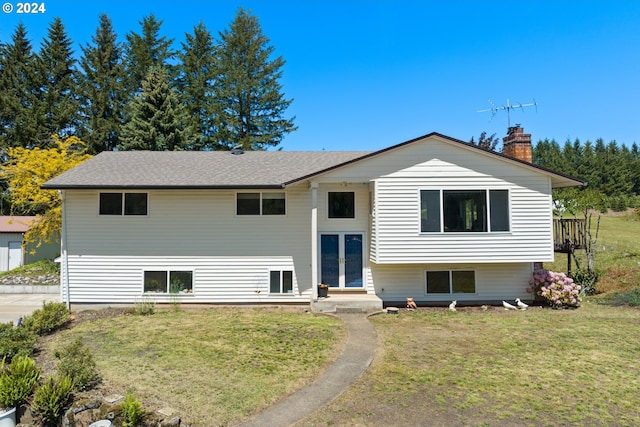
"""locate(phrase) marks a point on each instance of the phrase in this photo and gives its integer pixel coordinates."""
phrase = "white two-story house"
(433, 218)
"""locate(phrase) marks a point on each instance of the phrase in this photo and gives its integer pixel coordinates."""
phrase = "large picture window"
(281, 282)
(168, 281)
(342, 204)
(464, 210)
(260, 203)
(123, 204)
(451, 282)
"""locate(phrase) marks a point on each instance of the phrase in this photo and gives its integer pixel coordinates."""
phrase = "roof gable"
(251, 169)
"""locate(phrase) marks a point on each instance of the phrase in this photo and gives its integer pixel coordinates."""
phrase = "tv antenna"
(494, 109)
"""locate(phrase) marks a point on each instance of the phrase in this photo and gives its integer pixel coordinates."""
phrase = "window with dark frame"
(261, 203)
(464, 211)
(342, 204)
(451, 282)
(281, 281)
(168, 281)
(129, 204)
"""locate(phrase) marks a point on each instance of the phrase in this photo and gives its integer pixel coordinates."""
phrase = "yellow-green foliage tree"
(26, 170)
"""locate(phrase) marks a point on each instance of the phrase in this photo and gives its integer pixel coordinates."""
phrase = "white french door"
(341, 259)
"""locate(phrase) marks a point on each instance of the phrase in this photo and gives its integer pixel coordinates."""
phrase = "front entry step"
(347, 303)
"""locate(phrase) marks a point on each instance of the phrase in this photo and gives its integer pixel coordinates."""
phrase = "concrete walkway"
(14, 306)
(354, 360)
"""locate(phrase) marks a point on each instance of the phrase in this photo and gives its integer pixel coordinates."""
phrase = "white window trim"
(122, 194)
(488, 201)
(355, 205)
(450, 271)
(168, 270)
(261, 192)
(281, 270)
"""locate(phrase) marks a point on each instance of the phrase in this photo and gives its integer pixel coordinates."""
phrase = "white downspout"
(65, 292)
(314, 240)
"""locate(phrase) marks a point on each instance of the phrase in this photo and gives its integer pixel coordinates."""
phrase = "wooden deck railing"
(569, 234)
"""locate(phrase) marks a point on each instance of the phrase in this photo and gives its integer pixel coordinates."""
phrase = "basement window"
(451, 282)
(281, 282)
(168, 281)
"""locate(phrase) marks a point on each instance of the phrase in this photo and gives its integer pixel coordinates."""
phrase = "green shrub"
(131, 411)
(587, 279)
(15, 342)
(17, 381)
(52, 316)
(50, 399)
(76, 361)
(145, 306)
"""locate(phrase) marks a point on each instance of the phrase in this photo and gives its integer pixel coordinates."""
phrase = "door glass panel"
(329, 260)
(353, 260)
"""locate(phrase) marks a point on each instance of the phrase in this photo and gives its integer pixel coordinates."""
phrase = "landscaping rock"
(19, 280)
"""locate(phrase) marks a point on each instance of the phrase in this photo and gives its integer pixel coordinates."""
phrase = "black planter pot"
(323, 291)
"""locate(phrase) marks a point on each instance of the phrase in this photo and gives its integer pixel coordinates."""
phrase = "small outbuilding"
(12, 252)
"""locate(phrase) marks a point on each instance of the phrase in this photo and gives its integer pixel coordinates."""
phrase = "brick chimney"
(517, 144)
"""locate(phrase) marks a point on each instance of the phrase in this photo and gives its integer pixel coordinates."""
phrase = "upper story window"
(342, 204)
(123, 203)
(464, 210)
(260, 203)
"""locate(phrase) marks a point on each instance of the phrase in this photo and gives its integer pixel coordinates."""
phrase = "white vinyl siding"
(198, 230)
(118, 279)
(397, 222)
(493, 281)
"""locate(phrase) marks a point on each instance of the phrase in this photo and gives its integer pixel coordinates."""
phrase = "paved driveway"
(14, 306)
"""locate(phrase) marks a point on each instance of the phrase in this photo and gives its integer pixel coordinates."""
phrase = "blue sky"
(368, 74)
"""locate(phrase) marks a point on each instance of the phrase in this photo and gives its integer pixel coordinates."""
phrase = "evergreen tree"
(157, 120)
(17, 122)
(195, 84)
(144, 52)
(102, 89)
(57, 105)
(250, 103)
(486, 142)
(586, 164)
(548, 154)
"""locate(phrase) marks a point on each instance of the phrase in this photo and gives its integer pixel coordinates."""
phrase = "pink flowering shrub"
(559, 290)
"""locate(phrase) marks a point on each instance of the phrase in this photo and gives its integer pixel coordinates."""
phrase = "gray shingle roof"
(198, 169)
(221, 169)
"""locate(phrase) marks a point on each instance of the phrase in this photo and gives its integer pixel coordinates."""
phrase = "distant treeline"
(612, 169)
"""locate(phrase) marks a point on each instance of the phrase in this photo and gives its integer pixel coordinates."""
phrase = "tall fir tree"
(102, 89)
(57, 106)
(195, 84)
(250, 105)
(145, 51)
(17, 122)
(548, 154)
(157, 120)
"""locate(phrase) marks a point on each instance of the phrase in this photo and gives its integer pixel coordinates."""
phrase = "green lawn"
(539, 367)
(617, 256)
(212, 365)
